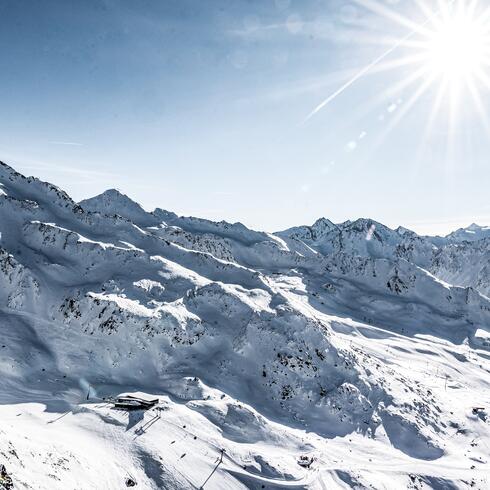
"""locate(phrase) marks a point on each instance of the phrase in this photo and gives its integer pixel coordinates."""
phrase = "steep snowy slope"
(470, 233)
(112, 201)
(465, 264)
(365, 238)
(334, 342)
(461, 263)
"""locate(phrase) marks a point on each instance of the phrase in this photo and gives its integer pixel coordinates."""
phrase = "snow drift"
(351, 342)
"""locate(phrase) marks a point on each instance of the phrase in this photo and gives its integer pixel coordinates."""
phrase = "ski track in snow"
(364, 348)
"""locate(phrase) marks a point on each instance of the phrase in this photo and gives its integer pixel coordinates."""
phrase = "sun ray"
(483, 20)
(408, 105)
(390, 14)
(434, 112)
(392, 92)
(441, 92)
(480, 108)
(483, 78)
(413, 59)
(425, 9)
(449, 50)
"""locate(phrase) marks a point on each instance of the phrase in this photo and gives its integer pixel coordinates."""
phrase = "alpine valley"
(330, 356)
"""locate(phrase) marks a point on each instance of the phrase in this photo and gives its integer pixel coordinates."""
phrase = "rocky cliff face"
(117, 296)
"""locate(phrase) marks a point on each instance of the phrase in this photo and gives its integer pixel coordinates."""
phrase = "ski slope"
(364, 348)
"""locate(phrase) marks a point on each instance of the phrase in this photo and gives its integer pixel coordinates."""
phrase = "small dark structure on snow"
(130, 402)
(130, 482)
(305, 461)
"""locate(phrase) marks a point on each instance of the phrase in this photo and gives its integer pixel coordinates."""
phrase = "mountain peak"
(271, 325)
(112, 195)
(113, 201)
(321, 225)
(401, 230)
(471, 233)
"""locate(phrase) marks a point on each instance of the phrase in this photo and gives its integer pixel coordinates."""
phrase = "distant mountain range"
(363, 347)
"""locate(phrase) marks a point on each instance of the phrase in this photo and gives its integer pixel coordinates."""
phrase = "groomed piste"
(331, 356)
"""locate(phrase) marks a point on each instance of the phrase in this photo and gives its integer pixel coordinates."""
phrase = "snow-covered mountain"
(363, 348)
(470, 233)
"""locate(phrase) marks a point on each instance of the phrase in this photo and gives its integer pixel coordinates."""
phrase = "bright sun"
(448, 50)
(457, 46)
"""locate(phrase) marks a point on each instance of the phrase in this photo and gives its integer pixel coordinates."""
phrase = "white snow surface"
(364, 348)
(470, 233)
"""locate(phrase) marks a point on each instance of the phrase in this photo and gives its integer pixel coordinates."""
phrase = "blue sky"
(200, 107)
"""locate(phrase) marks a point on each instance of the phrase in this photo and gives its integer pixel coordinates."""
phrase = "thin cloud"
(415, 29)
(444, 226)
(358, 75)
(66, 143)
(294, 25)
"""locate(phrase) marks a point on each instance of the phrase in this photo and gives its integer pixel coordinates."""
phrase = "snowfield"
(359, 351)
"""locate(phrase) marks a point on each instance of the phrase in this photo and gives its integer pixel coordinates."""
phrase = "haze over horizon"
(244, 244)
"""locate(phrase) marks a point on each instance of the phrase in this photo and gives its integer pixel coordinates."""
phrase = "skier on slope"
(5, 480)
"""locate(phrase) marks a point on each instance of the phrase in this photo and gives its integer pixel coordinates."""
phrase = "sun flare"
(449, 50)
(457, 46)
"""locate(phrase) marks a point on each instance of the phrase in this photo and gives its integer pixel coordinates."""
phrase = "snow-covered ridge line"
(322, 340)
